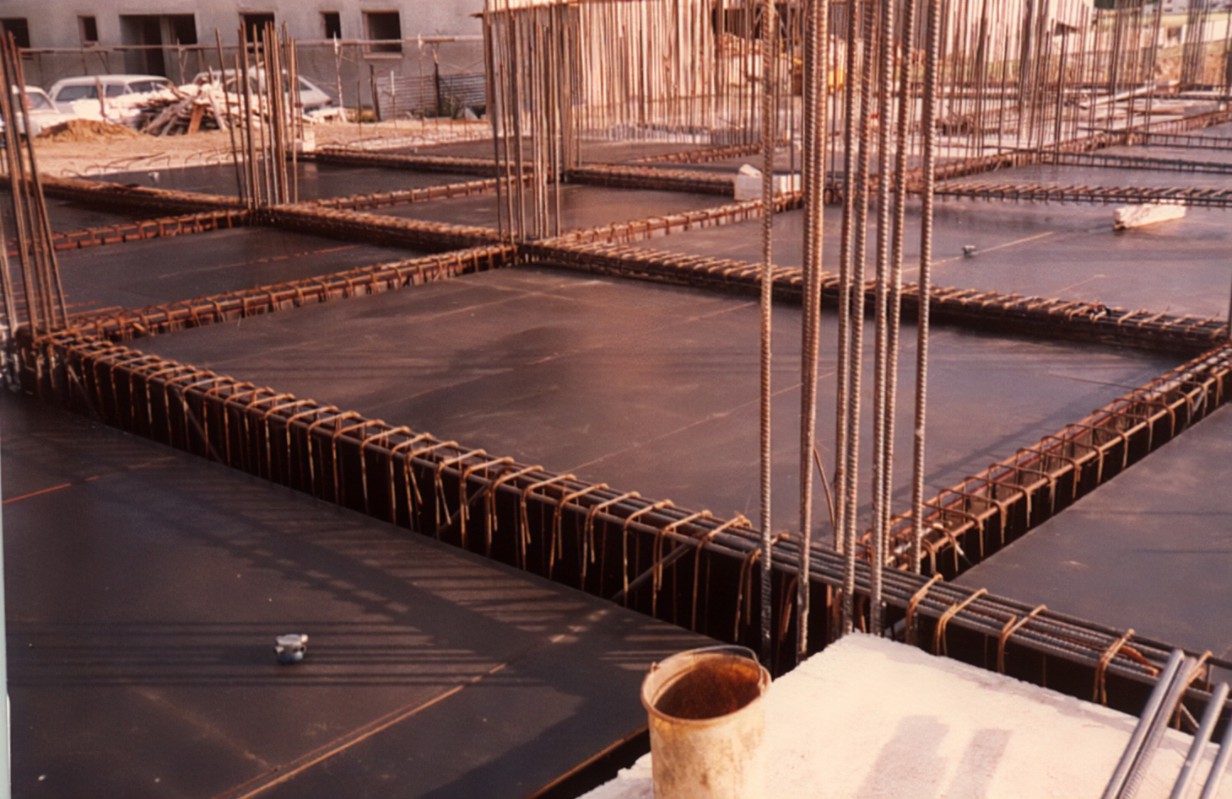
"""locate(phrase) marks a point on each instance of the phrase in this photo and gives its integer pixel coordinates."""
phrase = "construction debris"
(204, 106)
(1131, 216)
(187, 110)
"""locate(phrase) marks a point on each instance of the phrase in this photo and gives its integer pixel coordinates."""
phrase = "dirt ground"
(97, 153)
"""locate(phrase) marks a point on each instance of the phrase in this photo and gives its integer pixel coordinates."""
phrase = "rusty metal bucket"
(707, 723)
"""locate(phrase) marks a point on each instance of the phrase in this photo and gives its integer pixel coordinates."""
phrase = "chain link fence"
(385, 79)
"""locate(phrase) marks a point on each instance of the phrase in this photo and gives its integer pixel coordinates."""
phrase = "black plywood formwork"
(541, 520)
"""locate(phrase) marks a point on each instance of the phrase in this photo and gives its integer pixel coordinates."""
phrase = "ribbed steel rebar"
(445, 489)
(815, 79)
(769, 118)
(924, 290)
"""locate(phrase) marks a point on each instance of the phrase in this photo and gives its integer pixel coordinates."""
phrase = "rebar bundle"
(265, 145)
(562, 71)
(531, 51)
(33, 297)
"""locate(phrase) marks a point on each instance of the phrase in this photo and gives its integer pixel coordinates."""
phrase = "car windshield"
(68, 94)
(37, 101)
(146, 86)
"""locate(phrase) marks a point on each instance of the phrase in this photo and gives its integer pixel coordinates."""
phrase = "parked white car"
(110, 97)
(41, 111)
(311, 96)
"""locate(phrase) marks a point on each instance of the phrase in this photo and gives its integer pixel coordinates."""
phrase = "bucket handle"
(731, 649)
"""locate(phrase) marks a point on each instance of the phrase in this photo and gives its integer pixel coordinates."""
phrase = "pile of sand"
(87, 130)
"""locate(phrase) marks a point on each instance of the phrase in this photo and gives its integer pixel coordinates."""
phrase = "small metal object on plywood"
(291, 647)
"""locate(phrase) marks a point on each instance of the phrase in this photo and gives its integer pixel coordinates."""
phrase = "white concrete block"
(869, 717)
(748, 183)
(1132, 216)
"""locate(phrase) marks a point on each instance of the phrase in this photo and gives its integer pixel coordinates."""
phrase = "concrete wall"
(355, 73)
(55, 24)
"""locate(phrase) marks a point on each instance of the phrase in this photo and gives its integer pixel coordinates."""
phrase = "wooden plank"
(194, 122)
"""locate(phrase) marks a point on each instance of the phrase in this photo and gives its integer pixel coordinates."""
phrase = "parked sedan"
(41, 111)
(312, 97)
(120, 94)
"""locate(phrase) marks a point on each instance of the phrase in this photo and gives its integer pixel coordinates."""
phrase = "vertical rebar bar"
(1201, 738)
(846, 244)
(813, 89)
(924, 284)
(881, 403)
(768, 114)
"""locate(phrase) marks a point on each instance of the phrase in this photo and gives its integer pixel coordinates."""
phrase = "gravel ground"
(96, 155)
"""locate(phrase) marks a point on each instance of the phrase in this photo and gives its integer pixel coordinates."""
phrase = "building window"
(88, 27)
(331, 21)
(385, 31)
(18, 28)
(183, 28)
(254, 26)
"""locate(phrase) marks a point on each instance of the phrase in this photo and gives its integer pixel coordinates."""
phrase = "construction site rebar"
(127, 324)
(671, 562)
(968, 522)
(892, 104)
(31, 298)
(146, 229)
(979, 309)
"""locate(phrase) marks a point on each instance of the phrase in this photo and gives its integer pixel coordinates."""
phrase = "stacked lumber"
(187, 110)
